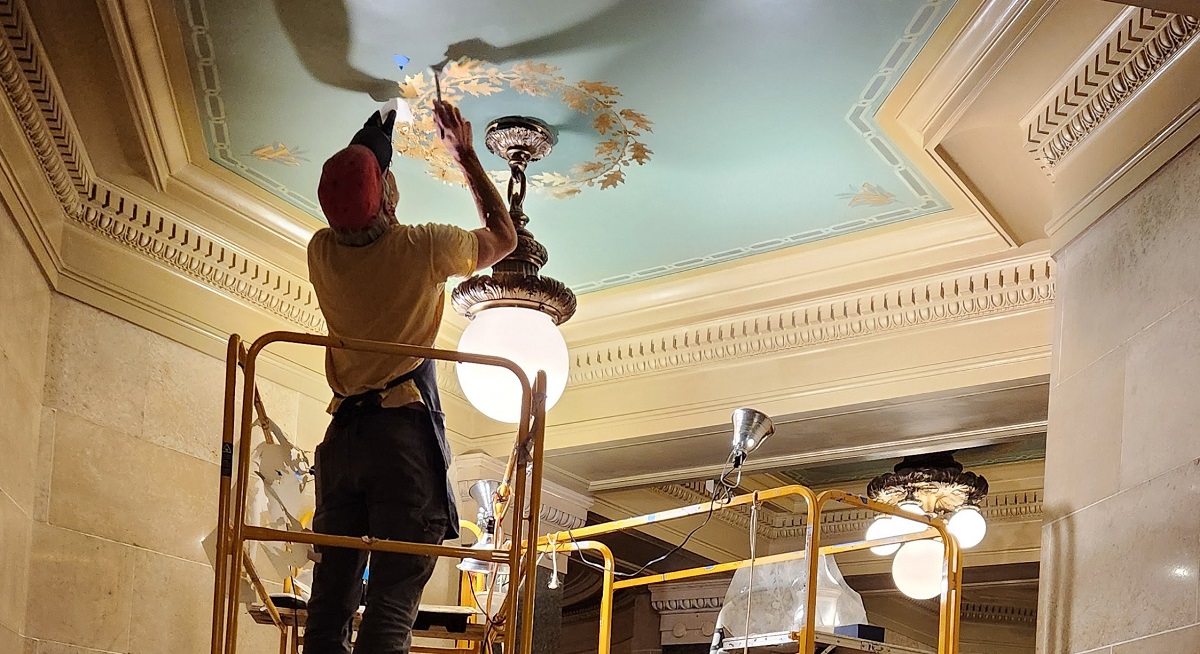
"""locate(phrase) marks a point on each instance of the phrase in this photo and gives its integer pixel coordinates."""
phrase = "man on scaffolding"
(381, 469)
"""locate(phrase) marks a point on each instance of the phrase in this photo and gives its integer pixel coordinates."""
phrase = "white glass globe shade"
(917, 569)
(968, 526)
(527, 337)
(902, 526)
(883, 527)
(886, 526)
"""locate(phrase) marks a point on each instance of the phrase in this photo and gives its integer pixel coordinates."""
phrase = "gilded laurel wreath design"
(622, 129)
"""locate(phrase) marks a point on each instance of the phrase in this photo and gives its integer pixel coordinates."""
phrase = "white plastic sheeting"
(280, 495)
(776, 604)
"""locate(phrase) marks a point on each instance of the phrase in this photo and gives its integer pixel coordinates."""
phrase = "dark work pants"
(379, 473)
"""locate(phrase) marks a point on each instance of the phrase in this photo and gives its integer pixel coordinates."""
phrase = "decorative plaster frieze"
(34, 94)
(561, 519)
(964, 295)
(186, 248)
(123, 218)
(738, 516)
(774, 525)
(689, 604)
(562, 509)
(977, 612)
(1138, 44)
(996, 507)
(981, 612)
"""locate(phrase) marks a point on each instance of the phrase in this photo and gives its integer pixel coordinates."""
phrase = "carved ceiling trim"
(1138, 45)
(986, 612)
(1001, 288)
(709, 602)
(774, 525)
(123, 218)
(689, 604)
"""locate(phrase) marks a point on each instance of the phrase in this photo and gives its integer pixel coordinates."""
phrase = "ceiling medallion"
(620, 129)
(936, 481)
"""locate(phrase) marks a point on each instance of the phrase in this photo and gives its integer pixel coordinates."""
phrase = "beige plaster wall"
(1121, 541)
(126, 488)
(24, 319)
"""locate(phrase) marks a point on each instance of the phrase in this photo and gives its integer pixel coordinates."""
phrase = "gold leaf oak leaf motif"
(589, 168)
(534, 68)
(607, 148)
(640, 153)
(479, 86)
(528, 87)
(603, 123)
(613, 178)
(577, 100)
(468, 77)
(600, 88)
(638, 119)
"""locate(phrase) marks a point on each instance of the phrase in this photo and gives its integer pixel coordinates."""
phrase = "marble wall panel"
(80, 589)
(1120, 564)
(15, 528)
(97, 366)
(25, 297)
(21, 413)
(121, 488)
(1134, 266)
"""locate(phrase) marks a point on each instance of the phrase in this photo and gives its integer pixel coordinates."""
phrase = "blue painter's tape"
(400, 60)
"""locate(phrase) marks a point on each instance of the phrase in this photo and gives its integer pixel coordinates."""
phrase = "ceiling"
(850, 442)
(762, 133)
(1032, 448)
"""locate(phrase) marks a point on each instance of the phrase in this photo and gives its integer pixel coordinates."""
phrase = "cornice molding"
(689, 604)
(774, 525)
(1137, 45)
(123, 218)
(985, 612)
(996, 507)
(1006, 287)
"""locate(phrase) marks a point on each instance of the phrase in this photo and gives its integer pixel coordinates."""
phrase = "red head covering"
(351, 188)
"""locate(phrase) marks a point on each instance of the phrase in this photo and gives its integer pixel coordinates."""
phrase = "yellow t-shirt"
(390, 290)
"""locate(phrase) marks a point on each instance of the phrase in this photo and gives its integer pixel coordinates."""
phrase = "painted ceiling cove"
(762, 133)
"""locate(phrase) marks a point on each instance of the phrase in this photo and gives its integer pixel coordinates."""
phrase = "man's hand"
(498, 236)
(454, 131)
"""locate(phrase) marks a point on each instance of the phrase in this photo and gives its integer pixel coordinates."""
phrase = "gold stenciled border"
(622, 128)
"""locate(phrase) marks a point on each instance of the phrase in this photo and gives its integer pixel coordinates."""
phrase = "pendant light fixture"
(934, 485)
(515, 312)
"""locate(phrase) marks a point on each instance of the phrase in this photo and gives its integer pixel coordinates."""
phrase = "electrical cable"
(723, 490)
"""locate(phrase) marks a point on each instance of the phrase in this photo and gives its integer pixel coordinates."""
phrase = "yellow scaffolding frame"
(948, 622)
(233, 533)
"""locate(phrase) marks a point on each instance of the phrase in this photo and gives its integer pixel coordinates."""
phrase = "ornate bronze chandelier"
(515, 311)
(933, 485)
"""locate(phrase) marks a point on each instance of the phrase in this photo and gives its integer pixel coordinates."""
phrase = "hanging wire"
(750, 588)
(724, 490)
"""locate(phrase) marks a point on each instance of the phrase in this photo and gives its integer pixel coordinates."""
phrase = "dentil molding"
(124, 218)
(774, 525)
(1011, 286)
(1139, 43)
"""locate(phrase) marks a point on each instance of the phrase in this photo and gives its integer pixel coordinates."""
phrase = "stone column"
(1120, 554)
(688, 612)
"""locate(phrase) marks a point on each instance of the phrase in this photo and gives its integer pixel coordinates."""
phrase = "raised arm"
(497, 237)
